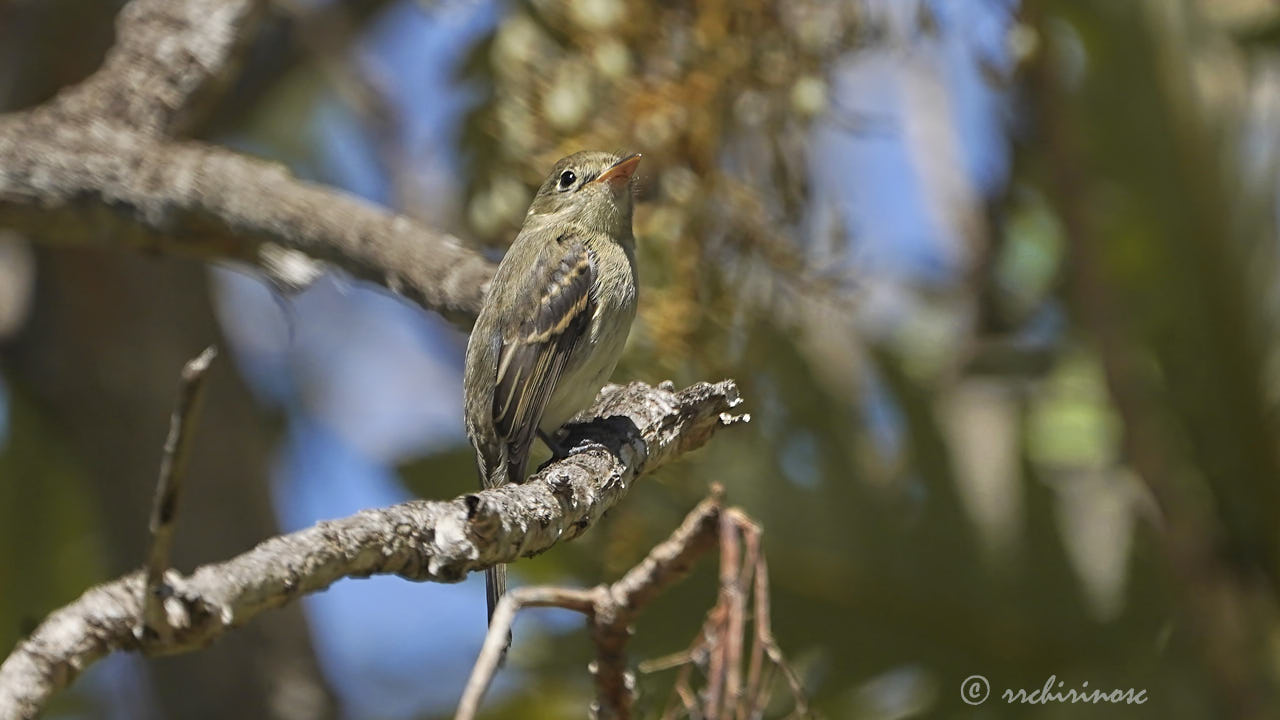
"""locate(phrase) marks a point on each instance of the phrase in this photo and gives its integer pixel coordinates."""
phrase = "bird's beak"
(620, 173)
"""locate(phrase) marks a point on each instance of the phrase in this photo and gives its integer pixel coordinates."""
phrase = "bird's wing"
(531, 358)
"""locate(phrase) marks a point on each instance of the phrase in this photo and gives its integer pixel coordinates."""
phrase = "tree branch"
(717, 651)
(495, 641)
(116, 187)
(610, 610)
(638, 429)
(164, 511)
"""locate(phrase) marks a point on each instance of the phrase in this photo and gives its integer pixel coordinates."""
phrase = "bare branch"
(665, 564)
(639, 429)
(755, 559)
(685, 694)
(610, 610)
(726, 657)
(757, 692)
(115, 187)
(718, 647)
(669, 562)
(495, 641)
(164, 511)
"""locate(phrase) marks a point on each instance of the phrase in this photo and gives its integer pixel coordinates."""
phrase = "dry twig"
(719, 646)
(610, 610)
(164, 511)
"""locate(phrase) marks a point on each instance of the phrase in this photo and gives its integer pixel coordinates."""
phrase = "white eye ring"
(567, 179)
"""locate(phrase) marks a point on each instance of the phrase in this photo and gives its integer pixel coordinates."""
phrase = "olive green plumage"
(555, 319)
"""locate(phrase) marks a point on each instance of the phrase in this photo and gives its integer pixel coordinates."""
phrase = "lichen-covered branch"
(637, 429)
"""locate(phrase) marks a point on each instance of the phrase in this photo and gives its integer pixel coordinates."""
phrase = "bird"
(554, 321)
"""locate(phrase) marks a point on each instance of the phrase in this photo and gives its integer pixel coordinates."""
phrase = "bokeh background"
(996, 279)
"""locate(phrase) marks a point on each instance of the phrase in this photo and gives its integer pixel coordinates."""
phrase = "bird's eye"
(567, 179)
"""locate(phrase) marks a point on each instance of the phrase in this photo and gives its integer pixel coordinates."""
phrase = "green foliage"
(50, 549)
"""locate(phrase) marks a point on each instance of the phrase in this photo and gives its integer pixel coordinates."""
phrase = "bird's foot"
(558, 451)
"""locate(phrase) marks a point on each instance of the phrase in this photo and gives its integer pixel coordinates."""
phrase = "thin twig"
(736, 599)
(682, 695)
(610, 610)
(687, 697)
(164, 510)
(500, 628)
(718, 647)
(720, 659)
(754, 560)
(764, 636)
(666, 662)
(766, 690)
(746, 529)
(664, 565)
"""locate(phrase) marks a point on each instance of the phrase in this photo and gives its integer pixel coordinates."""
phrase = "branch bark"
(638, 429)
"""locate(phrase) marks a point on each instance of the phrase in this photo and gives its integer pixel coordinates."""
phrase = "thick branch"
(639, 428)
(110, 186)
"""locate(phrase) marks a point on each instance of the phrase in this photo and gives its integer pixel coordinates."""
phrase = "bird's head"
(592, 189)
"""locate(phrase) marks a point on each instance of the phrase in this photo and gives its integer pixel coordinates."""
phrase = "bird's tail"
(495, 578)
(495, 586)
